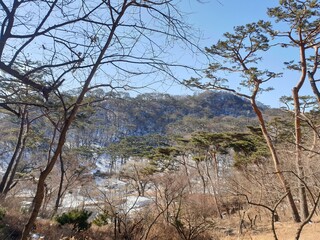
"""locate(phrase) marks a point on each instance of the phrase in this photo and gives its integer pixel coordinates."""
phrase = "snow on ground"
(103, 165)
(134, 203)
(76, 201)
(26, 193)
(110, 183)
(128, 204)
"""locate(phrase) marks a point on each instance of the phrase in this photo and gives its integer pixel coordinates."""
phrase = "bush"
(102, 219)
(79, 219)
(2, 213)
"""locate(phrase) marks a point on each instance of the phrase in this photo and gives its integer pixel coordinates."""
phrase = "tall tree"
(303, 24)
(239, 53)
(85, 44)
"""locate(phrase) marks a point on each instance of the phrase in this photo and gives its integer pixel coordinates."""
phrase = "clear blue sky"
(214, 18)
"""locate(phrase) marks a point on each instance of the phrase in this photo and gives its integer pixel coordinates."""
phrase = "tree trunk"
(204, 185)
(37, 202)
(187, 173)
(276, 162)
(299, 165)
(11, 169)
(214, 186)
(313, 72)
(9, 184)
(59, 195)
(38, 199)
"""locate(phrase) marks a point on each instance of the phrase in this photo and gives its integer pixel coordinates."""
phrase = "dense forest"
(82, 159)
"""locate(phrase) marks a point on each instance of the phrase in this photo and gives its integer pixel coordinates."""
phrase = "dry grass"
(12, 223)
(224, 229)
(53, 231)
(284, 230)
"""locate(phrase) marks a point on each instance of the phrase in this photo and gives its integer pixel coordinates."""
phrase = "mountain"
(121, 116)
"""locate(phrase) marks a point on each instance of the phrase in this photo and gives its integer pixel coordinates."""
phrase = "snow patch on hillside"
(110, 183)
(134, 203)
(76, 201)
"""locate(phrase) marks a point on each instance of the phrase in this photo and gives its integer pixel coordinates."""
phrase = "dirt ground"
(285, 231)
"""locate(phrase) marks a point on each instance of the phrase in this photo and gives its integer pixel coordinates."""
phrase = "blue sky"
(214, 18)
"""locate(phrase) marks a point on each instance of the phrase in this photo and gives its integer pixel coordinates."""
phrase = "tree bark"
(37, 201)
(294, 211)
(299, 165)
(59, 195)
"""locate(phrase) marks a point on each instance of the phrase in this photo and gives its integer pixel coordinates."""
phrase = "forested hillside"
(109, 118)
(121, 116)
(81, 159)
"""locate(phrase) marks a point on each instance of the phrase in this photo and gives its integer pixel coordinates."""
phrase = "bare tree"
(7, 179)
(85, 45)
(17, 102)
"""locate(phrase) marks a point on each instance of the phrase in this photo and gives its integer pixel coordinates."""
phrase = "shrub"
(102, 219)
(2, 213)
(79, 219)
